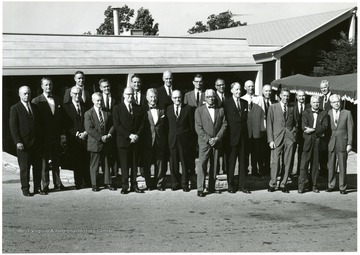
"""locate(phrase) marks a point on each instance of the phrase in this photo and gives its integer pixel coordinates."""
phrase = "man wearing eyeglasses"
(210, 126)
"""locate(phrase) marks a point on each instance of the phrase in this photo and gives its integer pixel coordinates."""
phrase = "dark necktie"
(168, 91)
(336, 117)
(130, 109)
(102, 124)
(211, 106)
(222, 97)
(177, 111)
(29, 111)
(284, 112)
(136, 98)
(197, 98)
(325, 101)
(238, 104)
(152, 107)
(266, 106)
(78, 109)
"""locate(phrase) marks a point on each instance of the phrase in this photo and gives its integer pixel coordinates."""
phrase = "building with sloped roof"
(290, 46)
(261, 52)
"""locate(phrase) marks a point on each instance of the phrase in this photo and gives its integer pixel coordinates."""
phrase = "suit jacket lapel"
(151, 119)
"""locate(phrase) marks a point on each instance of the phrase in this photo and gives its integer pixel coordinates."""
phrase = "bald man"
(24, 131)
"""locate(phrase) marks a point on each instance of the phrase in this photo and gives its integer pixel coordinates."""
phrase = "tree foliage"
(341, 60)
(216, 22)
(145, 21)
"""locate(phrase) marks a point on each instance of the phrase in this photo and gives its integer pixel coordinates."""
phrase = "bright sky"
(174, 17)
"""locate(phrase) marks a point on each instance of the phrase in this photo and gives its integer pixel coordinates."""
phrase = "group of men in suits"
(158, 127)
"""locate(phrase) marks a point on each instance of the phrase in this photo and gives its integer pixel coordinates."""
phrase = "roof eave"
(270, 56)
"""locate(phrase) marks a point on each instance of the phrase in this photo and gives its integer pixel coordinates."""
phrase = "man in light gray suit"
(210, 126)
(99, 127)
(340, 143)
(281, 132)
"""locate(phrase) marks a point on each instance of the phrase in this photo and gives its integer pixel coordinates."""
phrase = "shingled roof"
(275, 33)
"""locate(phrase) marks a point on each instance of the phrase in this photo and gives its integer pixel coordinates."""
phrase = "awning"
(344, 85)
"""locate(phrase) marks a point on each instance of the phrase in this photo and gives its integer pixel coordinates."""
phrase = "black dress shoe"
(186, 189)
(200, 194)
(26, 193)
(95, 188)
(124, 191)
(329, 190)
(315, 190)
(175, 188)
(160, 189)
(40, 192)
(246, 191)
(110, 187)
(214, 191)
(231, 191)
(301, 191)
(271, 189)
(285, 190)
(343, 192)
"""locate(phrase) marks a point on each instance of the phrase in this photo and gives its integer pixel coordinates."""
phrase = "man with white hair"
(315, 123)
(254, 119)
(324, 105)
(340, 143)
(24, 131)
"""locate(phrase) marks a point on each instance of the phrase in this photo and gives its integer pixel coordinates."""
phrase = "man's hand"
(83, 135)
(348, 148)
(213, 141)
(309, 130)
(20, 146)
(133, 138)
(272, 145)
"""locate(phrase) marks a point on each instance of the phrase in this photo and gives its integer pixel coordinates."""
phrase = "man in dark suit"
(254, 127)
(164, 92)
(24, 119)
(51, 128)
(315, 124)
(154, 141)
(129, 125)
(139, 98)
(221, 96)
(109, 101)
(195, 98)
(265, 151)
(340, 143)
(99, 127)
(299, 107)
(326, 106)
(281, 132)
(181, 128)
(76, 137)
(326, 93)
(79, 78)
(107, 105)
(236, 115)
(210, 126)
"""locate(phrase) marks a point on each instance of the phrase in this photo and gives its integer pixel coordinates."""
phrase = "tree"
(216, 22)
(107, 28)
(341, 60)
(145, 22)
(198, 28)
